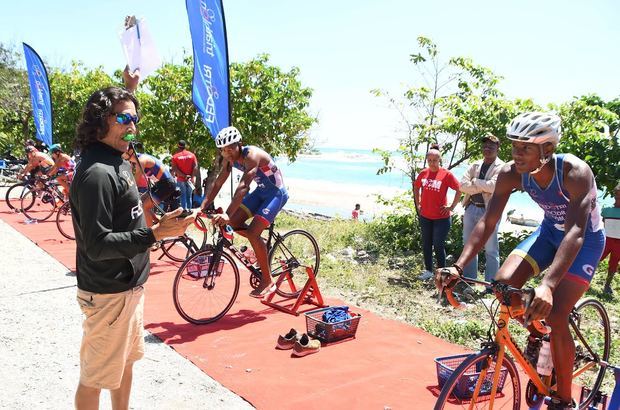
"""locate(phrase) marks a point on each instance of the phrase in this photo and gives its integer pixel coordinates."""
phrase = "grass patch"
(377, 278)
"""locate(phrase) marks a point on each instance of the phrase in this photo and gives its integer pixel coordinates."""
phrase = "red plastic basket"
(330, 332)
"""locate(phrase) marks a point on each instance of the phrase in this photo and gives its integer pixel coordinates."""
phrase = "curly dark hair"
(93, 125)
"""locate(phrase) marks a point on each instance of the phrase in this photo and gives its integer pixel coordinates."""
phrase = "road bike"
(488, 379)
(64, 221)
(207, 284)
(40, 201)
(16, 192)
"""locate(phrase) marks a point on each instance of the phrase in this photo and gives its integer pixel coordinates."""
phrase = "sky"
(547, 50)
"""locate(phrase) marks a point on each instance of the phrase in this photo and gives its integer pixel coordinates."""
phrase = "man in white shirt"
(478, 184)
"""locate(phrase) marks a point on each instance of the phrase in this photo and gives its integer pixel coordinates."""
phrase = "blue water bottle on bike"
(228, 232)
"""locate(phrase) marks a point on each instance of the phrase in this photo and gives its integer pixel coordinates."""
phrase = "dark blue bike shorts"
(540, 248)
(265, 203)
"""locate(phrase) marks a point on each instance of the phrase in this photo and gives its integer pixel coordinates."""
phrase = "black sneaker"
(608, 291)
(532, 349)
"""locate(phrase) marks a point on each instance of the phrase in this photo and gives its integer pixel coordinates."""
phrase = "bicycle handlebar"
(527, 294)
(207, 213)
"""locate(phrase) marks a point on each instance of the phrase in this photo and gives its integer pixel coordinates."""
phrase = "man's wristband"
(458, 269)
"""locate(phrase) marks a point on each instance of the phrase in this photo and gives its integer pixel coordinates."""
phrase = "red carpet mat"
(388, 364)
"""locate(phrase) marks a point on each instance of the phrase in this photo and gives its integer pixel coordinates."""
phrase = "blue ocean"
(359, 167)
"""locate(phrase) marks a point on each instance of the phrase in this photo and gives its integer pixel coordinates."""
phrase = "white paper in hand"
(139, 48)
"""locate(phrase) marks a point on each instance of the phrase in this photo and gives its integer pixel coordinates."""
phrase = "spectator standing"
(478, 184)
(429, 192)
(611, 216)
(355, 214)
(184, 164)
(112, 241)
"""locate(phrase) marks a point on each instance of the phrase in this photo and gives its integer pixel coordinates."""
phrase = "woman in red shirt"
(433, 212)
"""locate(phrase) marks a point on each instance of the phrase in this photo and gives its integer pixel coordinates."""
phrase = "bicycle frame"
(503, 342)
(221, 243)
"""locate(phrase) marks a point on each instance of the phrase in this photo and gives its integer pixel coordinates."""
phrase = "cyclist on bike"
(39, 163)
(569, 241)
(263, 203)
(164, 189)
(63, 167)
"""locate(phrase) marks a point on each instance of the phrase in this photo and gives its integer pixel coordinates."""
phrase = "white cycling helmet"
(536, 128)
(227, 136)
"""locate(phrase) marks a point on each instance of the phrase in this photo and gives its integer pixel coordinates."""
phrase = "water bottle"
(228, 232)
(545, 361)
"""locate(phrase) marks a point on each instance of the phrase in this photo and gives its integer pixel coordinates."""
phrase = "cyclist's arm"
(506, 181)
(217, 185)
(54, 168)
(578, 182)
(26, 169)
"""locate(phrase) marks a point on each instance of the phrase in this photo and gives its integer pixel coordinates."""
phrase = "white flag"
(139, 48)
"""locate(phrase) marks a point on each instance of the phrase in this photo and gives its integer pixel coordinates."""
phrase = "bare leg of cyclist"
(253, 232)
(515, 271)
(62, 180)
(567, 293)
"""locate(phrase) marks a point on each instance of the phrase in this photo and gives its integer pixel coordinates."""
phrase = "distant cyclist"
(165, 188)
(39, 163)
(63, 167)
(568, 243)
(263, 203)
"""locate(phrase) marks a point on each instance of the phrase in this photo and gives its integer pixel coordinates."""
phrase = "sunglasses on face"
(126, 118)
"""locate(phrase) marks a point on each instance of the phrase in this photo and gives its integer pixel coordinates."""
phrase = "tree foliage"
(16, 124)
(70, 90)
(457, 102)
(269, 105)
(590, 131)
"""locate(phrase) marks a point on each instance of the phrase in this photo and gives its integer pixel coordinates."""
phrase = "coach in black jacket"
(112, 246)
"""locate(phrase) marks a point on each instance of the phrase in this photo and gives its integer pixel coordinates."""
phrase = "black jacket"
(110, 231)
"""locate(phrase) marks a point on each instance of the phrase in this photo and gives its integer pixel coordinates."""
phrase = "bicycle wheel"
(180, 248)
(64, 222)
(43, 206)
(14, 195)
(292, 253)
(592, 334)
(463, 384)
(206, 286)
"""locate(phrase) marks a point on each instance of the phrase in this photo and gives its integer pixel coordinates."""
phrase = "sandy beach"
(317, 196)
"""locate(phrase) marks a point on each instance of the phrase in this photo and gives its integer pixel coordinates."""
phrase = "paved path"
(40, 332)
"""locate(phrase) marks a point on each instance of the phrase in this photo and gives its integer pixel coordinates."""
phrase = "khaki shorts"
(112, 336)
